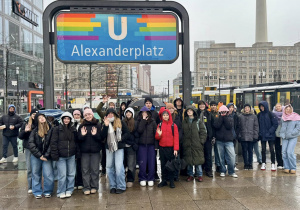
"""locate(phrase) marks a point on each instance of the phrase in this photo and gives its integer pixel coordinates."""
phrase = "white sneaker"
(273, 168)
(29, 191)
(280, 167)
(234, 175)
(236, 169)
(263, 167)
(150, 183)
(62, 195)
(222, 174)
(80, 187)
(3, 160)
(15, 160)
(68, 194)
(143, 183)
(137, 166)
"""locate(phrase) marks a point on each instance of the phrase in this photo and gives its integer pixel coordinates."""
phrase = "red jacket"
(167, 139)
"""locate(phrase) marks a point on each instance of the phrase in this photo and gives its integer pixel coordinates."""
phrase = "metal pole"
(66, 84)
(18, 95)
(6, 84)
(168, 91)
(90, 85)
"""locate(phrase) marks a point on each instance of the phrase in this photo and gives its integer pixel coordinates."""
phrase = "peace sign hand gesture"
(83, 131)
(94, 131)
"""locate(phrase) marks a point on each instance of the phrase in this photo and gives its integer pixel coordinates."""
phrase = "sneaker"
(143, 183)
(273, 168)
(119, 191)
(150, 183)
(3, 160)
(246, 167)
(209, 174)
(47, 195)
(68, 194)
(162, 184)
(200, 179)
(29, 191)
(157, 179)
(113, 191)
(234, 175)
(75, 188)
(286, 171)
(190, 178)
(80, 187)
(137, 166)
(87, 192)
(62, 195)
(236, 169)
(129, 184)
(263, 167)
(250, 167)
(15, 160)
(172, 185)
(293, 172)
(280, 167)
(222, 174)
(38, 196)
(93, 191)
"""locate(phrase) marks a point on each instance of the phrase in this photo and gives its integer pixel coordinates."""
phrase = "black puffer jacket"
(23, 135)
(91, 143)
(39, 146)
(61, 146)
(8, 120)
(147, 130)
(207, 121)
(223, 126)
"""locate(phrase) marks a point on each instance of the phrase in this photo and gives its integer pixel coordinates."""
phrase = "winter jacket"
(289, 129)
(121, 112)
(207, 121)
(267, 123)
(23, 135)
(180, 111)
(11, 119)
(223, 128)
(91, 143)
(214, 115)
(133, 138)
(147, 129)
(194, 137)
(278, 115)
(99, 110)
(39, 146)
(61, 146)
(178, 122)
(167, 139)
(235, 121)
(248, 126)
(155, 115)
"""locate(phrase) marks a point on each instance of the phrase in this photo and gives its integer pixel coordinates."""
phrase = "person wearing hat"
(194, 137)
(179, 105)
(41, 164)
(224, 141)
(131, 145)
(10, 123)
(147, 145)
(90, 137)
(24, 134)
(248, 134)
(205, 117)
(117, 135)
(168, 137)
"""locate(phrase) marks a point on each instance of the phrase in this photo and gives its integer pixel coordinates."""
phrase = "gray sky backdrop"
(227, 21)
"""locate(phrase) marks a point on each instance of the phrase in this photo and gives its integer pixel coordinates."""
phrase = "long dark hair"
(129, 123)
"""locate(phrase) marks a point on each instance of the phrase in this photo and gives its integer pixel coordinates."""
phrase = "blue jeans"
(288, 154)
(198, 170)
(66, 169)
(226, 151)
(54, 167)
(14, 143)
(38, 168)
(115, 169)
(257, 152)
(28, 166)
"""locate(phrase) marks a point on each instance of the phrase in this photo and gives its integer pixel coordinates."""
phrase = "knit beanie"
(213, 103)
(34, 111)
(247, 105)
(88, 111)
(170, 106)
(148, 99)
(77, 112)
(223, 108)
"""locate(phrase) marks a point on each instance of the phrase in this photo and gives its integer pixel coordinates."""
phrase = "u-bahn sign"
(113, 38)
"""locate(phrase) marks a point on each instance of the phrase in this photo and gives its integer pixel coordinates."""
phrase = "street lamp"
(220, 78)
(208, 76)
(18, 95)
(261, 75)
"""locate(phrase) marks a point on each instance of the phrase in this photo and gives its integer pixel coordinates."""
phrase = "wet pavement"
(251, 190)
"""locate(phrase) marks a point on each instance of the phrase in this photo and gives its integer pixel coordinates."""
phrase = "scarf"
(290, 117)
(112, 138)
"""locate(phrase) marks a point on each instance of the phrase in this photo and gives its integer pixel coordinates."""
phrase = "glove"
(213, 141)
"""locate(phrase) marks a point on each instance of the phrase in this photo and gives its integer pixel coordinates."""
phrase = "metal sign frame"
(113, 7)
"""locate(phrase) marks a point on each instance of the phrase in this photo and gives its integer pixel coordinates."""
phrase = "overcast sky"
(231, 21)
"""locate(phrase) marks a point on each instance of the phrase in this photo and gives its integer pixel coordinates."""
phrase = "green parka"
(194, 138)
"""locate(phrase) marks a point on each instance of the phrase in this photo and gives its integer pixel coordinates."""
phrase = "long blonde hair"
(30, 123)
(117, 123)
(43, 129)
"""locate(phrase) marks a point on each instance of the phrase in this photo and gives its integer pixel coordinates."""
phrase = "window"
(38, 28)
(27, 45)
(38, 47)
(12, 35)
(8, 9)
(1, 32)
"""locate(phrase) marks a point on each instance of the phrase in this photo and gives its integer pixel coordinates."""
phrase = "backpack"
(172, 126)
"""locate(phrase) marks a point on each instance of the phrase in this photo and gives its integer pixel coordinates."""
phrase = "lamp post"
(18, 94)
(207, 75)
(261, 75)
(220, 78)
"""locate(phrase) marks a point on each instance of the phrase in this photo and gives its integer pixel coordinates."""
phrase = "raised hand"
(105, 99)
(106, 121)
(94, 131)
(83, 131)
(159, 131)
(27, 128)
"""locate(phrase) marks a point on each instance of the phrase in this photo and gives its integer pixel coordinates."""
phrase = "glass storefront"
(27, 44)
(12, 37)
(8, 9)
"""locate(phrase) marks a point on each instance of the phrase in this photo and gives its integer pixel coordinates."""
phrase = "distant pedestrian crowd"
(183, 137)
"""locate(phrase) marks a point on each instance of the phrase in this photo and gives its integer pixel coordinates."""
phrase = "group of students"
(127, 139)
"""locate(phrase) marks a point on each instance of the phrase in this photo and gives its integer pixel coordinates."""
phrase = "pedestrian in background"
(277, 110)
(24, 135)
(289, 132)
(41, 164)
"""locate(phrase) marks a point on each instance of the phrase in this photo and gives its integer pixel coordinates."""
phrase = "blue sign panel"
(116, 38)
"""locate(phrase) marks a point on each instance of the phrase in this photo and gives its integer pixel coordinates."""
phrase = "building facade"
(21, 47)
(261, 63)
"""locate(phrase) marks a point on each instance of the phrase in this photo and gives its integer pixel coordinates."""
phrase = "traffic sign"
(116, 38)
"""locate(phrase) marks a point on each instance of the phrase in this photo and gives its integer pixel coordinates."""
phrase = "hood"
(111, 110)
(66, 114)
(223, 108)
(265, 104)
(161, 111)
(145, 109)
(36, 118)
(11, 105)
(230, 104)
(192, 108)
(292, 117)
(200, 102)
(183, 106)
(85, 106)
(130, 110)
(251, 111)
